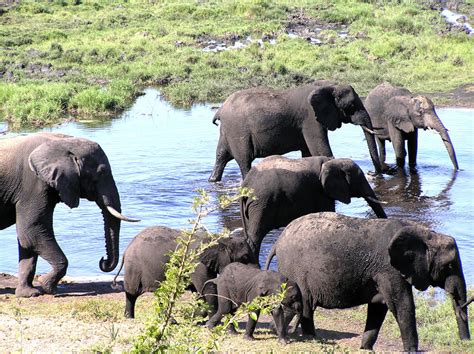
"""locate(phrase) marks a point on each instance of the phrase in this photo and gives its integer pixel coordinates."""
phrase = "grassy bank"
(96, 323)
(90, 58)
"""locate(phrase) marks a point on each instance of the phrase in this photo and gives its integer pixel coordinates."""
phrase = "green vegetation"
(91, 58)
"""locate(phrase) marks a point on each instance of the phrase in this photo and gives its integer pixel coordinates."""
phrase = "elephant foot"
(231, 329)
(47, 284)
(390, 170)
(413, 170)
(27, 291)
(213, 179)
(284, 341)
(249, 337)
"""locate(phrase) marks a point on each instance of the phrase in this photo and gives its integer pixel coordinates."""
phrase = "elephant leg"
(245, 165)
(223, 156)
(382, 153)
(307, 321)
(26, 273)
(130, 300)
(375, 317)
(260, 219)
(281, 328)
(398, 145)
(49, 250)
(405, 316)
(250, 328)
(224, 307)
(412, 144)
(316, 138)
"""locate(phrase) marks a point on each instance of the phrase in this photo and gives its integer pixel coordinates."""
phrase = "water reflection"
(405, 197)
(161, 155)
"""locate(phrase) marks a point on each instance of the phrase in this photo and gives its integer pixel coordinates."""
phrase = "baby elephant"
(147, 254)
(286, 189)
(241, 283)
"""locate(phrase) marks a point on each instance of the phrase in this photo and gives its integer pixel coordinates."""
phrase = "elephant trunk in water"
(376, 206)
(455, 285)
(362, 118)
(432, 121)
(373, 149)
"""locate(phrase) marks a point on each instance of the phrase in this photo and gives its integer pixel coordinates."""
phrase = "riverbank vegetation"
(73, 58)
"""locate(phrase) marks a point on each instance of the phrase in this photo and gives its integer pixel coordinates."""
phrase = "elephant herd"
(326, 259)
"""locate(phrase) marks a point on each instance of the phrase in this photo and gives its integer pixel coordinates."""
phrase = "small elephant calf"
(241, 283)
(147, 254)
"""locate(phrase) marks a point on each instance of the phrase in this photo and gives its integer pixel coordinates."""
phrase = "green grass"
(91, 58)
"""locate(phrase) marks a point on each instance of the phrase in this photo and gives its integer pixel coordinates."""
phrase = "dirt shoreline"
(23, 328)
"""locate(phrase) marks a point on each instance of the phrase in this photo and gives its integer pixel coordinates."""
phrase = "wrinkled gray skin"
(241, 283)
(340, 262)
(286, 189)
(37, 172)
(260, 122)
(396, 116)
(148, 252)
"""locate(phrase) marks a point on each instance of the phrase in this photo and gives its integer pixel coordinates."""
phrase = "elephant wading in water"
(340, 262)
(147, 254)
(397, 115)
(260, 122)
(37, 172)
(286, 189)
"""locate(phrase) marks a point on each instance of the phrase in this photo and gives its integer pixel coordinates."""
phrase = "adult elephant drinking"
(260, 122)
(285, 189)
(37, 172)
(397, 115)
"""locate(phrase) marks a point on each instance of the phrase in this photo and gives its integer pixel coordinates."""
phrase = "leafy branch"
(174, 325)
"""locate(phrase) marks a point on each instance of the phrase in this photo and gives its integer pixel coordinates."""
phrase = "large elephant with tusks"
(37, 172)
(397, 115)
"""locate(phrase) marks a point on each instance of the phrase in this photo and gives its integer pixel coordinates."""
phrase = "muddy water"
(160, 156)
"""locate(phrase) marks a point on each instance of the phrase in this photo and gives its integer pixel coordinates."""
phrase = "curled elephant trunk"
(432, 121)
(111, 232)
(456, 286)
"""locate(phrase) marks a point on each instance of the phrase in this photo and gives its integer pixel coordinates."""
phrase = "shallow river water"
(160, 156)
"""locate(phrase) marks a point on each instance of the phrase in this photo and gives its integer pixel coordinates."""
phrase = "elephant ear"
(410, 255)
(210, 256)
(397, 113)
(335, 181)
(323, 102)
(58, 167)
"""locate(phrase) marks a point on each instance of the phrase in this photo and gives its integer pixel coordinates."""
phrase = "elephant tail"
(114, 284)
(270, 256)
(216, 117)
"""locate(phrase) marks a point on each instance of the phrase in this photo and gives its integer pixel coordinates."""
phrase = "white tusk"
(376, 200)
(368, 130)
(120, 216)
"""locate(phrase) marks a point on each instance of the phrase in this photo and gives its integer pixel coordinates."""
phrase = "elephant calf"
(286, 189)
(147, 254)
(341, 262)
(241, 283)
